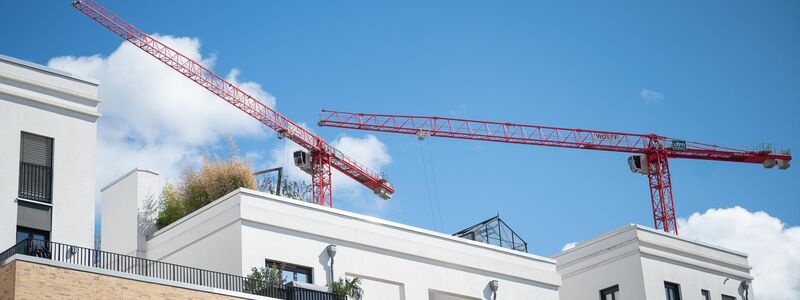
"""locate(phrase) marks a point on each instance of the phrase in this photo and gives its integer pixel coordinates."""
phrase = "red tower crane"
(652, 152)
(323, 156)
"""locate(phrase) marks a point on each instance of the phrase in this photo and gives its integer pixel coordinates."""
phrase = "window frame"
(294, 268)
(612, 290)
(706, 294)
(677, 288)
(727, 297)
(31, 232)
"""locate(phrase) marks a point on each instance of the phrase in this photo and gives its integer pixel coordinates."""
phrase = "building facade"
(48, 125)
(48, 122)
(247, 229)
(636, 262)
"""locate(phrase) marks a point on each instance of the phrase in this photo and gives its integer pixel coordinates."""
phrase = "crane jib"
(651, 152)
(325, 155)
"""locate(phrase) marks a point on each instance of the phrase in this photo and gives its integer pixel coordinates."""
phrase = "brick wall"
(37, 281)
(7, 281)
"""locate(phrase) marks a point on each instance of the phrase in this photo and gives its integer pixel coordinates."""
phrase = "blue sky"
(728, 73)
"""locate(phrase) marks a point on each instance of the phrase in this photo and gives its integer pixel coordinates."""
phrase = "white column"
(121, 201)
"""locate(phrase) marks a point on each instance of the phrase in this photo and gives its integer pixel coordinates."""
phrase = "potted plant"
(347, 289)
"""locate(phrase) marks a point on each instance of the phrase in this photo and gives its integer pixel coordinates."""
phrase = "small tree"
(344, 288)
(261, 278)
(148, 215)
(172, 206)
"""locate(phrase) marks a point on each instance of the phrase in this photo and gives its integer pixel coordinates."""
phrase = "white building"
(48, 125)
(248, 229)
(635, 262)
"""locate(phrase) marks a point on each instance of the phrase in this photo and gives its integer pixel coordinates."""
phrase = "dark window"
(706, 294)
(726, 297)
(610, 293)
(28, 233)
(36, 167)
(292, 272)
(672, 290)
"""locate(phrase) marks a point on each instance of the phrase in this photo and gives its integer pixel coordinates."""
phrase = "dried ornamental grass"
(197, 188)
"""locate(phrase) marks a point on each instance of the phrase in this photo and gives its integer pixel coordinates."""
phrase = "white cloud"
(153, 117)
(568, 246)
(651, 96)
(773, 247)
(369, 151)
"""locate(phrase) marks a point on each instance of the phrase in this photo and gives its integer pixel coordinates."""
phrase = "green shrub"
(347, 288)
(262, 277)
(172, 206)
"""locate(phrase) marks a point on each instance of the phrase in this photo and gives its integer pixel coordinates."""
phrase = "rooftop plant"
(198, 187)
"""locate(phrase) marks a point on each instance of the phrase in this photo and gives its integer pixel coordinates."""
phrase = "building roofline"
(395, 225)
(352, 215)
(113, 182)
(650, 230)
(60, 73)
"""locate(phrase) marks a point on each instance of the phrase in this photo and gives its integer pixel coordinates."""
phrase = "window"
(610, 293)
(726, 297)
(36, 167)
(292, 272)
(706, 294)
(34, 234)
(672, 290)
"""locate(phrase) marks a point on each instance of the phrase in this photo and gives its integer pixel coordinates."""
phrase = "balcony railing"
(35, 182)
(161, 270)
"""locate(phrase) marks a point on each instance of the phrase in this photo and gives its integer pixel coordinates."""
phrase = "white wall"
(380, 289)
(395, 260)
(385, 252)
(43, 101)
(209, 238)
(625, 271)
(694, 266)
(122, 200)
(437, 295)
(640, 260)
(690, 279)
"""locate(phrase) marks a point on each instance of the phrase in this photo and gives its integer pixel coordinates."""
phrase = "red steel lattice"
(320, 149)
(656, 149)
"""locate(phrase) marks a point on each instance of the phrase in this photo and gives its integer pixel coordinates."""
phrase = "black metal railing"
(18, 248)
(161, 270)
(35, 182)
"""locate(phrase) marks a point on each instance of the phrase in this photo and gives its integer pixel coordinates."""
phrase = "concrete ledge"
(59, 73)
(46, 100)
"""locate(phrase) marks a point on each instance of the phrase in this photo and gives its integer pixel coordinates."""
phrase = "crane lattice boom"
(652, 151)
(541, 136)
(323, 154)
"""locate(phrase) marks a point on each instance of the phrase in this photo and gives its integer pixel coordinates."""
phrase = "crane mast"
(323, 155)
(652, 152)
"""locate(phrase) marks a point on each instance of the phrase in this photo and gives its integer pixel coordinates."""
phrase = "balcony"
(35, 182)
(92, 258)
